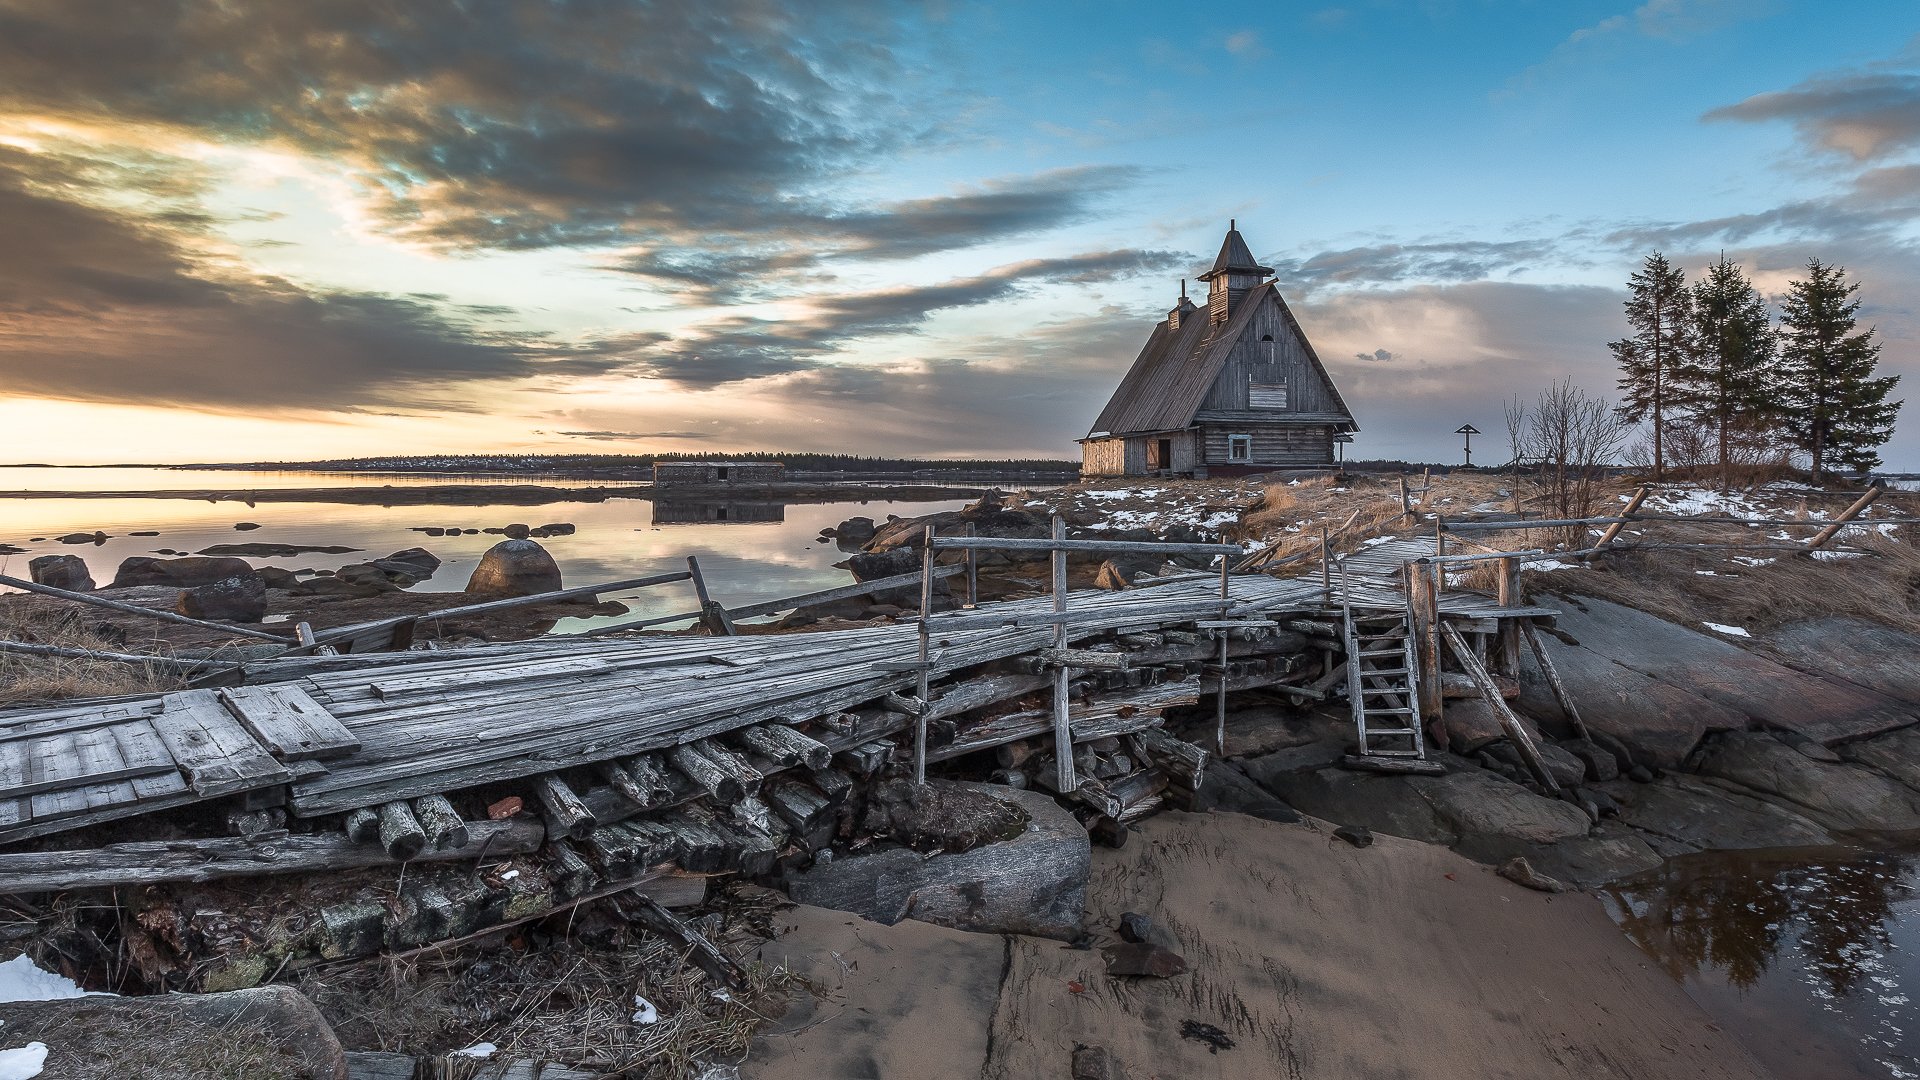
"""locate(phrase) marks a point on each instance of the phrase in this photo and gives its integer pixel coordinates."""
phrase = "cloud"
(740, 347)
(722, 265)
(1452, 260)
(1246, 45)
(621, 436)
(1377, 356)
(1863, 115)
(98, 306)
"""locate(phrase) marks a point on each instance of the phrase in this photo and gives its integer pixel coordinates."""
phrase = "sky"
(271, 231)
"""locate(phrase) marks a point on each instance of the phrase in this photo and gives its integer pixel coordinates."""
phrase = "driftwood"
(154, 862)
(566, 815)
(1516, 731)
(697, 950)
(784, 746)
(400, 832)
(441, 822)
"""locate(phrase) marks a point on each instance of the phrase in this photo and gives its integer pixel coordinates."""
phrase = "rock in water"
(179, 573)
(517, 532)
(241, 599)
(514, 568)
(62, 572)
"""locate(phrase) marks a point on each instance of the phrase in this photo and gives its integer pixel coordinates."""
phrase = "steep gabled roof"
(1169, 380)
(1235, 257)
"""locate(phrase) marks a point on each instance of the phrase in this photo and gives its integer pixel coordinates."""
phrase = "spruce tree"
(1658, 308)
(1725, 381)
(1834, 407)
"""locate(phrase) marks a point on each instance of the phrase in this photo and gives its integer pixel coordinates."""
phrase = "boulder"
(275, 551)
(855, 531)
(1119, 573)
(409, 566)
(517, 532)
(941, 816)
(178, 573)
(274, 577)
(1696, 811)
(872, 566)
(1230, 790)
(1477, 805)
(1568, 769)
(246, 526)
(1601, 763)
(94, 538)
(556, 528)
(1895, 754)
(1609, 853)
(269, 1030)
(67, 572)
(1387, 804)
(238, 599)
(1865, 653)
(1033, 884)
(1845, 797)
(1659, 723)
(365, 576)
(986, 521)
(514, 568)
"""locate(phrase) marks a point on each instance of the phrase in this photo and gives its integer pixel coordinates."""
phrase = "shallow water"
(762, 551)
(1806, 956)
(142, 478)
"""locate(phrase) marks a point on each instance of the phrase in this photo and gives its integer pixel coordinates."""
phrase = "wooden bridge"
(588, 732)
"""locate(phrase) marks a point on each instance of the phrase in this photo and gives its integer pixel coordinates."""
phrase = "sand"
(1317, 959)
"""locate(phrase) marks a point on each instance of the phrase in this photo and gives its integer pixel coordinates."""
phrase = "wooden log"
(800, 804)
(136, 609)
(400, 833)
(1559, 688)
(441, 822)
(1138, 785)
(725, 775)
(1085, 658)
(361, 826)
(569, 873)
(784, 746)
(835, 784)
(1060, 543)
(1064, 778)
(173, 861)
(867, 758)
(844, 592)
(565, 813)
(623, 782)
(1633, 503)
(650, 777)
(712, 615)
(1516, 731)
(692, 944)
(1874, 491)
(1183, 762)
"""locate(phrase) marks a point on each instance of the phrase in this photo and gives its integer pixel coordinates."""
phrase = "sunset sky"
(260, 231)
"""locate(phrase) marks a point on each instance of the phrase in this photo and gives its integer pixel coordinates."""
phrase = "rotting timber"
(523, 777)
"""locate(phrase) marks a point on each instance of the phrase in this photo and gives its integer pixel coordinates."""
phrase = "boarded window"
(1239, 448)
(1267, 396)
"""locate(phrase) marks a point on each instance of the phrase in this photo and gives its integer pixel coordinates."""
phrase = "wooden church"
(1231, 389)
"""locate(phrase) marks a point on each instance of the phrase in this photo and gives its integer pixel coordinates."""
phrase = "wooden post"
(973, 574)
(1509, 584)
(1515, 730)
(1851, 512)
(926, 650)
(1423, 598)
(1509, 597)
(1062, 726)
(1326, 567)
(1559, 688)
(1220, 698)
(712, 615)
(1406, 501)
(1613, 530)
(1439, 535)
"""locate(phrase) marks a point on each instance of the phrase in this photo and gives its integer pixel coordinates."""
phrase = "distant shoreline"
(456, 494)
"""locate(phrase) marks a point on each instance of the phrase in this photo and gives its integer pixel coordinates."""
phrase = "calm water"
(763, 551)
(1805, 956)
(54, 478)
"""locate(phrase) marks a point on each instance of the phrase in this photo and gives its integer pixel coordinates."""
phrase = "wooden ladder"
(1380, 680)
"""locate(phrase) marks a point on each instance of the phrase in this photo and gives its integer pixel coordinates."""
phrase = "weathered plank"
(288, 722)
(218, 754)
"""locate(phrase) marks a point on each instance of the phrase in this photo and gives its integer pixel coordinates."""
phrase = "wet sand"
(1317, 959)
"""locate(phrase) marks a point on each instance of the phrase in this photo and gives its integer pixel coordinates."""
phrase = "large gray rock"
(271, 1026)
(1385, 804)
(1119, 572)
(1033, 884)
(1895, 754)
(67, 572)
(1609, 853)
(179, 573)
(409, 566)
(238, 599)
(1704, 814)
(514, 568)
(1866, 653)
(1826, 710)
(1478, 803)
(1845, 797)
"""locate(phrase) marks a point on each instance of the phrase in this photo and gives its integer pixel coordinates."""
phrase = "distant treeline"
(468, 464)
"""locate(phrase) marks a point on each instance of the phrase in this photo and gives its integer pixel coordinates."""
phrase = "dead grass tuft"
(117, 1045)
(38, 678)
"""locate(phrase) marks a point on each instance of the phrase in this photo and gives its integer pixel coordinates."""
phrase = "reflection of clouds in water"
(1827, 933)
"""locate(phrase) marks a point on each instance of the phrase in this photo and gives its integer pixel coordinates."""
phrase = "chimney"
(1180, 309)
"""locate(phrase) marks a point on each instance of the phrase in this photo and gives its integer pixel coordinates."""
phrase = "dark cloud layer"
(1454, 260)
(735, 348)
(99, 307)
(1864, 115)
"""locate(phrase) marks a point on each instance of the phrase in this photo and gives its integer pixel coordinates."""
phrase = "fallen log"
(161, 861)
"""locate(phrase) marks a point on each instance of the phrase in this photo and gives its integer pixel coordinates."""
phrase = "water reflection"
(676, 512)
(1804, 953)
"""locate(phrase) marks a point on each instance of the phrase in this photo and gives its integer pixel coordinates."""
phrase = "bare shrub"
(1569, 437)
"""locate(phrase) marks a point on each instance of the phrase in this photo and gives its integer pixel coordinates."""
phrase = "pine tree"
(1659, 310)
(1834, 407)
(1725, 381)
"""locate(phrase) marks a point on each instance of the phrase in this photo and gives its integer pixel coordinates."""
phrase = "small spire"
(1183, 288)
(1232, 224)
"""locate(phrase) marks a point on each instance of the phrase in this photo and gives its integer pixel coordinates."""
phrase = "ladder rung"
(1375, 673)
(1371, 711)
(1397, 691)
(1382, 652)
(1371, 732)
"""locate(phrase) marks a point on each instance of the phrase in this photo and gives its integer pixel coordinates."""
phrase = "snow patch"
(1730, 631)
(644, 1012)
(1551, 564)
(477, 1050)
(22, 980)
(23, 1063)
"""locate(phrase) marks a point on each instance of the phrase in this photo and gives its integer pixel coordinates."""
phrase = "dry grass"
(39, 678)
(131, 1041)
(568, 999)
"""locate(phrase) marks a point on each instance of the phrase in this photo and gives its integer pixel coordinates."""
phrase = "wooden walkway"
(378, 728)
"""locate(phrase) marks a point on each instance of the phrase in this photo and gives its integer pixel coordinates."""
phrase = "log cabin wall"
(1270, 353)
